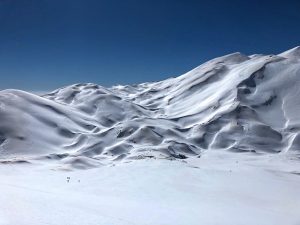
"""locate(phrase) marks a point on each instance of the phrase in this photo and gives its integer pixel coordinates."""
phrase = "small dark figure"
(68, 179)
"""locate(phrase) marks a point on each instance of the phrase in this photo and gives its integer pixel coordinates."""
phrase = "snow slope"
(218, 145)
(235, 103)
(217, 189)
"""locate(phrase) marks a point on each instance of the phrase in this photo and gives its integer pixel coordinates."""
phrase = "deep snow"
(217, 145)
(236, 103)
(219, 188)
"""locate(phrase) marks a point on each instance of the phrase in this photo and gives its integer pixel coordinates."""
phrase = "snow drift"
(234, 103)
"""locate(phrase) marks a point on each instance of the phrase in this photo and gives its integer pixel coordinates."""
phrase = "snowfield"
(218, 188)
(217, 145)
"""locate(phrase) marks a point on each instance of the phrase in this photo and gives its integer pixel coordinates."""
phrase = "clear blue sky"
(45, 44)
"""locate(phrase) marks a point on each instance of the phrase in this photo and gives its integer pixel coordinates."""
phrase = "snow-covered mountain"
(233, 103)
(230, 129)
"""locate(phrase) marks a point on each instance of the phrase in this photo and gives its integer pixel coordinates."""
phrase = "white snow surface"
(235, 103)
(217, 145)
(218, 188)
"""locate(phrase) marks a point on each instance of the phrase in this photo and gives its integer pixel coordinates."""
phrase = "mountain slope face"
(235, 103)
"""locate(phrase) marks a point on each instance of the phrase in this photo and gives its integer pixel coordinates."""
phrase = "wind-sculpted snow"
(232, 103)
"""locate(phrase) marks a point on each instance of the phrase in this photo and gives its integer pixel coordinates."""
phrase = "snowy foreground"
(217, 188)
(218, 145)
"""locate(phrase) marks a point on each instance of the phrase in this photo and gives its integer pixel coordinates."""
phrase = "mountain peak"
(292, 53)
